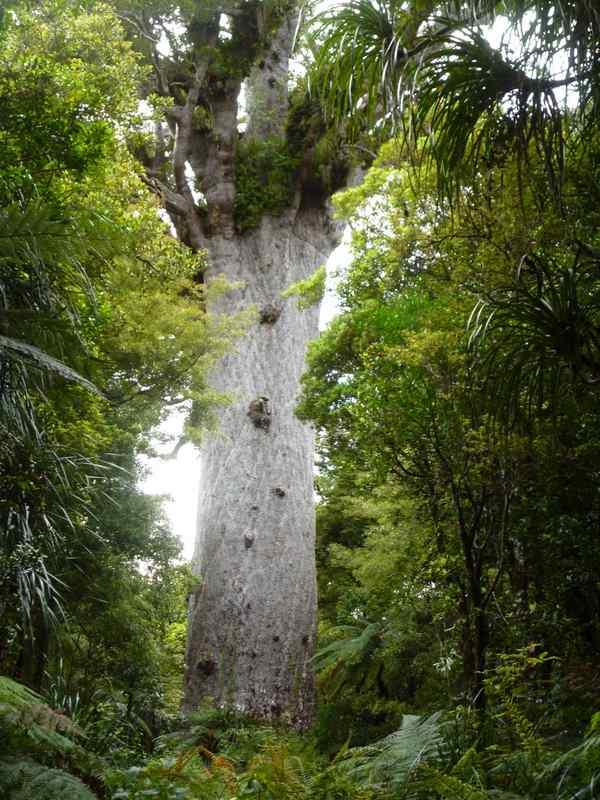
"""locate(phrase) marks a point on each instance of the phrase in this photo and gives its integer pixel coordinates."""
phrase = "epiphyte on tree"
(259, 412)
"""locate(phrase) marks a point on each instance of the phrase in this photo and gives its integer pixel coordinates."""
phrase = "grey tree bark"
(252, 619)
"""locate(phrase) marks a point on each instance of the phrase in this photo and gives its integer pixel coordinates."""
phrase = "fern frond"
(449, 787)
(394, 759)
(27, 780)
(577, 771)
(15, 695)
(352, 645)
(23, 710)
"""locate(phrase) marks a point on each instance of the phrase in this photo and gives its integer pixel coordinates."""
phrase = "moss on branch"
(265, 178)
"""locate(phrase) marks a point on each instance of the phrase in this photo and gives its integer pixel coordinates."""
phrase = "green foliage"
(424, 758)
(309, 291)
(63, 75)
(224, 756)
(218, 731)
(449, 787)
(541, 332)
(427, 759)
(417, 457)
(121, 654)
(359, 62)
(321, 145)
(412, 442)
(24, 713)
(265, 173)
(576, 771)
(348, 658)
(394, 760)
(27, 780)
(27, 353)
(102, 328)
(29, 724)
(173, 656)
(451, 535)
(426, 67)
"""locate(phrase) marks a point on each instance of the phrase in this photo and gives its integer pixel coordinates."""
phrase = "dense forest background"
(455, 398)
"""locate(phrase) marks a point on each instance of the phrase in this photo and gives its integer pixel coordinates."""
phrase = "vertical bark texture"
(252, 619)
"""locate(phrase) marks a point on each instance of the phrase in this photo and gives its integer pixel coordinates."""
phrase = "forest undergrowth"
(517, 751)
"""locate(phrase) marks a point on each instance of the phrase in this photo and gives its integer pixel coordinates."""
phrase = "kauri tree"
(250, 193)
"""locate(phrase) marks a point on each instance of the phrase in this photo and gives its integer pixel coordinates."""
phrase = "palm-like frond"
(576, 772)
(465, 99)
(358, 66)
(46, 253)
(49, 257)
(471, 103)
(45, 287)
(539, 333)
(574, 27)
(47, 494)
(16, 349)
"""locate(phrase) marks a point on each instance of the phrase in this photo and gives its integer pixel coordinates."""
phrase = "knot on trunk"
(269, 314)
(259, 412)
(206, 666)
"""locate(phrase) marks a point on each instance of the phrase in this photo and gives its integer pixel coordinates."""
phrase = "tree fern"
(394, 760)
(28, 780)
(26, 722)
(22, 710)
(348, 659)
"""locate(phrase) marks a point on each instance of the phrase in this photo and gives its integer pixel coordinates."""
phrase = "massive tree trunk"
(252, 619)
